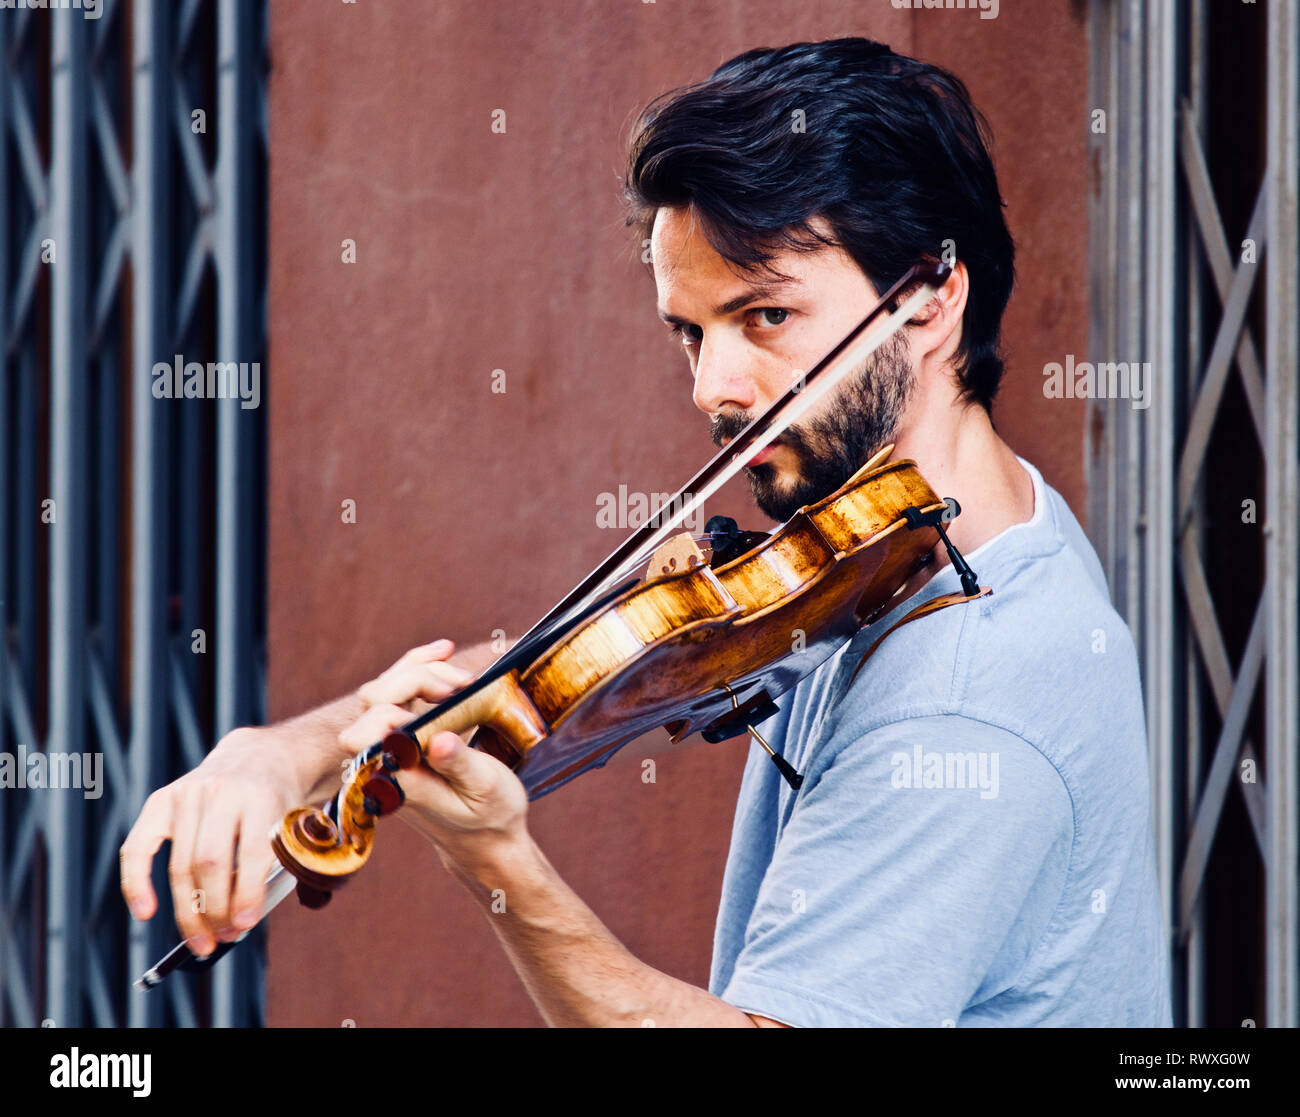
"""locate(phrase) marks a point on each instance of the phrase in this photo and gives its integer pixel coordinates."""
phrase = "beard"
(862, 416)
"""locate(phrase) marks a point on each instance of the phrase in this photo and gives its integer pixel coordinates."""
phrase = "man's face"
(748, 339)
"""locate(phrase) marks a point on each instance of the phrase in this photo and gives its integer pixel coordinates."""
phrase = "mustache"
(728, 425)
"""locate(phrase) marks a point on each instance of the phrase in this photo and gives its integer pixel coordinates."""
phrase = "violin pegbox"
(680, 553)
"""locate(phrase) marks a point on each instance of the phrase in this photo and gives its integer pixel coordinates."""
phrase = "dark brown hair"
(888, 150)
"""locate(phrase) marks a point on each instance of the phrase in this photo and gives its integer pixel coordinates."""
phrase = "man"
(972, 842)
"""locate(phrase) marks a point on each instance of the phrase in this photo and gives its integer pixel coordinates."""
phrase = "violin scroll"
(322, 848)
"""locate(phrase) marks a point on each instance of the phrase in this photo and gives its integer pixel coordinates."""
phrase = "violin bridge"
(681, 552)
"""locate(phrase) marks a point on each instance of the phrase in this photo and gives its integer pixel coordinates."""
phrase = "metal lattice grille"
(1193, 268)
(132, 153)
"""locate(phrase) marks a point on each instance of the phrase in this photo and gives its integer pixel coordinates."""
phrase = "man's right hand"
(219, 816)
(223, 809)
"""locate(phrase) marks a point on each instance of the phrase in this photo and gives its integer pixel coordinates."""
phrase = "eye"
(687, 333)
(770, 316)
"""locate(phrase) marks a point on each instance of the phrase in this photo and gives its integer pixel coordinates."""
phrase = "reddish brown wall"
(475, 510)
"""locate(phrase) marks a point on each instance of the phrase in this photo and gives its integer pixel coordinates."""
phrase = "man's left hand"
(469, 804)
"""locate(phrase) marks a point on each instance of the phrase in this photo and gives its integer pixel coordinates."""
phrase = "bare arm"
(218, 816)
(474, 809)
(577, 973)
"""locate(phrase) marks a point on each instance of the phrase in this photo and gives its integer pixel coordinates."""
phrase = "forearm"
(474, 809)
(314, 738)
(320, 756)
(577, 973)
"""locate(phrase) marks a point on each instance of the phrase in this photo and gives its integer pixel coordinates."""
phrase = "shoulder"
(1044, 651)
(992, 777)
(1048, 617)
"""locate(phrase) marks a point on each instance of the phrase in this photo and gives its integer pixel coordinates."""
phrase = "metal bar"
(196, 172)
(69, 535)
(185, 23)
(1193, 537)
(24, 844)
(106, 138)
(237, 39)
(188, 449)
(1282, 494)
(1132, 37)
(1222, 766)
(103, 819)
(103, 717)
(101, 31)
(24, 429)
(18, 854)
(1204, 623)
(1214, 657)
(1215, 242)
(182, 1005)
(7, 953)
(29, 154)
(97, 991)
(1160, 285)
(1100, 452)
(1114, 512)
(1218, 366)
(150, 489)
(95, 212)
(181, 701)
(28, 275)
(1254, 796)
(187, 296)
(111, 257)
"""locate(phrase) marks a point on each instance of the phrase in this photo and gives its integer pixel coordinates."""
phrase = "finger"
(151, 829)
(459, 789)
(181, 873)
(213, 860)
(461, 766)
(432, 681)
(425, 653)
(373, 726)
(434, 794)
(251, 868)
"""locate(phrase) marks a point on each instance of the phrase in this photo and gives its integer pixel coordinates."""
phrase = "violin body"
(684, 649)
(692, 647)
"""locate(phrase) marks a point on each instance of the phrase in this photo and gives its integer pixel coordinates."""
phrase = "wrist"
(491, 860)
(311, 740)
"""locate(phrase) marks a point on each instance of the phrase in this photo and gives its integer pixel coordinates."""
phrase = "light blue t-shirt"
(973, 841)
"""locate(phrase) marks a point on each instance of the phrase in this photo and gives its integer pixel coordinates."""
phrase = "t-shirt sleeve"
(913, 878)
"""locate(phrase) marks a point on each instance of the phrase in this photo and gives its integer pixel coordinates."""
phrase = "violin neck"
(501, 706)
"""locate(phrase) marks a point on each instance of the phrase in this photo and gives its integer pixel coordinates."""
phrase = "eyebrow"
(753, 294)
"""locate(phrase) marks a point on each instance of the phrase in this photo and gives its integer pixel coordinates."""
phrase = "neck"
(961, 456)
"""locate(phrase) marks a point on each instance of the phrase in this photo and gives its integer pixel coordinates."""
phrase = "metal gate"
(132, 157)
(1193, 502)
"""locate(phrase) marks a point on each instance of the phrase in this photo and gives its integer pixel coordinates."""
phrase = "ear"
(936, 331)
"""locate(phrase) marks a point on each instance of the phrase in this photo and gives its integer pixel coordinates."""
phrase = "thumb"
(456, 762)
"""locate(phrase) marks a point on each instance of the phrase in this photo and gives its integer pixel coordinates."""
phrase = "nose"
(722, 378)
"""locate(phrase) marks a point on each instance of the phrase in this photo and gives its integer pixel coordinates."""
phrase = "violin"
(704, 640)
